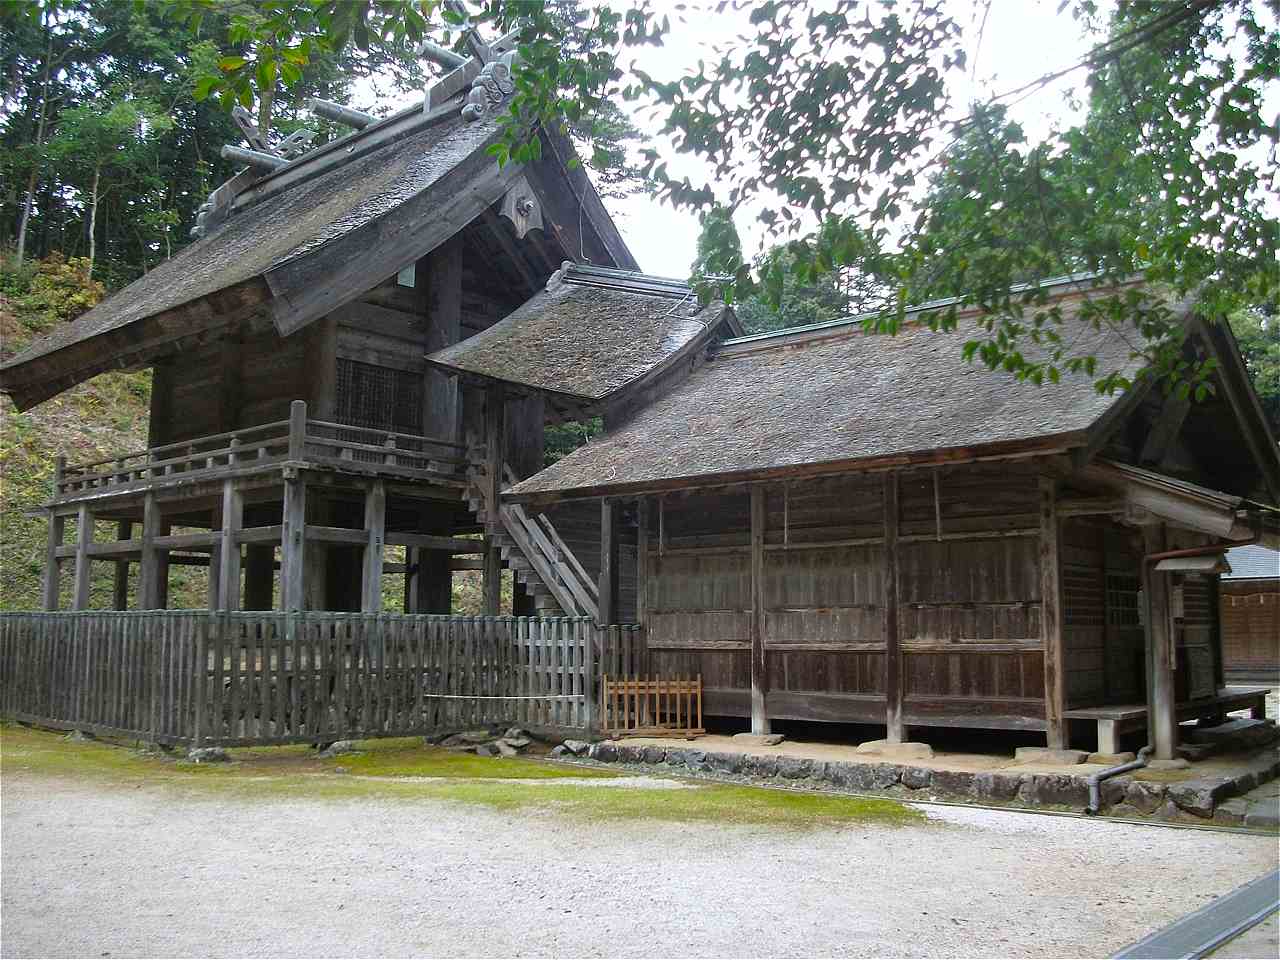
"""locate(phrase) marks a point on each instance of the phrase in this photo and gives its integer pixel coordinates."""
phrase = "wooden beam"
(375, 519)
(466, 563)
(84, 538)
(52, 584)
(440, 274)
(1051, 616)
(895, 728)
(492, 579)
(642, 561)
(427, 541)
(322, 368)
(759, 663)
(1165, 430)
(293, 545)
(150, 569)
(232, 521)
(1162, 709)
(608, 582)
(120, 584)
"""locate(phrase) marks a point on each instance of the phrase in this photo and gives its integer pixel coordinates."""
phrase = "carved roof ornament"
(490, 88)
(520, 206)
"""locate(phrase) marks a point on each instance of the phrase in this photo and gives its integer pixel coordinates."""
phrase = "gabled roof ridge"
(847, 324)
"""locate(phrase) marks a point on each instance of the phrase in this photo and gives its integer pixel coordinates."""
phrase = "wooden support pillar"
(120, 587)
(432, 585)
(1051, 616)
(293, 545)
(642, 561)
(1161, 696)
(492, 579)
(51, 586)
(232, 522)
(895, 728)
(84, 537)
(494, 438)
(160, 424)
(438, 280)
(259, 576)
(322, 368)
(759, 663)
(608, 582)
(375, 518)
(214, 596)
(150, 570)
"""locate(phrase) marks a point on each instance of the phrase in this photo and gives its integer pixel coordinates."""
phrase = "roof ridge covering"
(631, 281)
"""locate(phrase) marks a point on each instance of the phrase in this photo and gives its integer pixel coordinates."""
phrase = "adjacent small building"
(1249, 611)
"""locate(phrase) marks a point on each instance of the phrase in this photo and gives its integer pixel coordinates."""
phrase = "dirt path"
(149, 872)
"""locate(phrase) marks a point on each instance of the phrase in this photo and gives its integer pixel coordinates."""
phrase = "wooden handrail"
(165, 447)
(434, 441)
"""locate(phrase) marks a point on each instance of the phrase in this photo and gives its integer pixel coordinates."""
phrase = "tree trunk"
(93, 214)
(39, 159)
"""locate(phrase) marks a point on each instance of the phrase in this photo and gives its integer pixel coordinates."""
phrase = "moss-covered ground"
(407, 770)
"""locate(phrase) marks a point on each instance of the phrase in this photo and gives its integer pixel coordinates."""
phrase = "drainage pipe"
(1095, 780)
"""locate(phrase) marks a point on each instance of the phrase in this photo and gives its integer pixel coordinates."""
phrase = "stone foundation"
(1204, 800)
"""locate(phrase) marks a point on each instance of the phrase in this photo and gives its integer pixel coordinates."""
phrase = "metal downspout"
(1095, 780)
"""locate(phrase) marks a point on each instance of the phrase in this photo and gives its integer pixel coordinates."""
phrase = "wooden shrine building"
(365, 345)
(836, 526)
(296, 429)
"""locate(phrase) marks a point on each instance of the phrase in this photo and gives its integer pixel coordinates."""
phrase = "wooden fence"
(218, 678)
(649, 706)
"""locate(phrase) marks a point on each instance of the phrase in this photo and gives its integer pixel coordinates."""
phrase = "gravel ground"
(149, 872)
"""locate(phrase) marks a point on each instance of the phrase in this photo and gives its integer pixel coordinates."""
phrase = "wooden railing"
(298, 438)
(648, 706)
(200, 677)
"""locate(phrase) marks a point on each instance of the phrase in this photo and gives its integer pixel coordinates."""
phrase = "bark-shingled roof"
(279, 229)
(583, 340)
(839, 396)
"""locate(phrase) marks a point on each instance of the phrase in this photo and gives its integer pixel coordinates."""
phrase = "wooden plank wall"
(969, 603)
(262, 678)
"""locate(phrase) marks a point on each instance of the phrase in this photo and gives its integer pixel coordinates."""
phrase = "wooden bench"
(1115, 721)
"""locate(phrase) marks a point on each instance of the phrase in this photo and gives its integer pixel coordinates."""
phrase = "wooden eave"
(1035, 447)
(310, 286)
(135, 344)
(1239, 393)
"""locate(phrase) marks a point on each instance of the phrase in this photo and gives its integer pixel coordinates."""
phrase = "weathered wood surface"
(965, 610)
(261, 677)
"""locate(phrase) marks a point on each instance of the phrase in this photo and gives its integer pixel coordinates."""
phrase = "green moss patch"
(405, 770)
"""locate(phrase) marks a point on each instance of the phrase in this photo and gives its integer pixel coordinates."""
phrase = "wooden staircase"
(530, 547)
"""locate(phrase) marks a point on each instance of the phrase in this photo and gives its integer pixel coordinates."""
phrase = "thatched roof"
(786, 403)
(292, 244)
(280, 228)
(589, 334)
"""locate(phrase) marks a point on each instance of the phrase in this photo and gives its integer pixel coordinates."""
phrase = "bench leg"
(1108, 736)
(1259, 709)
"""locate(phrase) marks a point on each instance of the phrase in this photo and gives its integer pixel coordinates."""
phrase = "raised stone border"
(1199, 800)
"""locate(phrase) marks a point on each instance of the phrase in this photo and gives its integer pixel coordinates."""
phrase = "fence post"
(585, 630)
(201, 671)
(297, 429)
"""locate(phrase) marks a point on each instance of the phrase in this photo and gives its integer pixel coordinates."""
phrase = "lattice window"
(1124, 608)
(379, 397)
